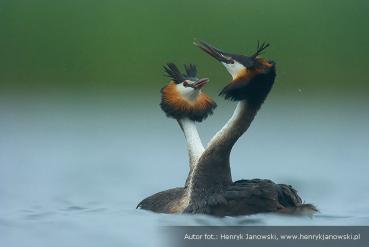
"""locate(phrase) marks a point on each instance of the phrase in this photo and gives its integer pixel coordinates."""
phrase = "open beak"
(200, 83)
(214, 52)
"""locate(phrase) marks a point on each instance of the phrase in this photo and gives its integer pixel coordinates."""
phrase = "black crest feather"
(191, 70)
(260, 48)
(173, 72)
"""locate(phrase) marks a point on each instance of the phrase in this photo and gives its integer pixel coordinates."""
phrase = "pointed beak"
(214, 52)
(200, 83)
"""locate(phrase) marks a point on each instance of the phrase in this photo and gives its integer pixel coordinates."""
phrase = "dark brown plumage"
(243, 197)
(167, 201)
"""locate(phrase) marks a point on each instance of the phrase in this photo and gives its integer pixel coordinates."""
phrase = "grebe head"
(252, 76)
(183, 96)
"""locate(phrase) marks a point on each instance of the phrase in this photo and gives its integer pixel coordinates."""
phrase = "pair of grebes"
(209, 188)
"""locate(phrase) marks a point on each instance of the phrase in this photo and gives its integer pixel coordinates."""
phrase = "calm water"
(72, 173)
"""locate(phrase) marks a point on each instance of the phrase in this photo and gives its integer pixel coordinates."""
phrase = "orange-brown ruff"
(251, 83)
(249, 73)
(177, 106)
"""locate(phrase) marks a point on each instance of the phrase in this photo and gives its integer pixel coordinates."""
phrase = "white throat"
(194, 144)
(234, 69)
(188, 92)
(240, 108)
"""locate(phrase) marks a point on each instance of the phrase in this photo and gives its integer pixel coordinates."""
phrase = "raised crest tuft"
(173, 72)
(191, 70)
(260, 48)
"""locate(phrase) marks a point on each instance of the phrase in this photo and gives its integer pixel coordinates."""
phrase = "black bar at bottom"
(214, 236)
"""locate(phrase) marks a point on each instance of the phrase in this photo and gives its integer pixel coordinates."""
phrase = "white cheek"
(234, 69)
(187, 92)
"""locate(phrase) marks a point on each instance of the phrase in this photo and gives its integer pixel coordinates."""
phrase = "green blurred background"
(116, 48)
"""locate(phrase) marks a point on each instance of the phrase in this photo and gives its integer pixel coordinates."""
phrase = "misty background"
(83, 139)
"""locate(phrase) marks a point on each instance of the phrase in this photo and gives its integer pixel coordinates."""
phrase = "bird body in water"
(209, 188)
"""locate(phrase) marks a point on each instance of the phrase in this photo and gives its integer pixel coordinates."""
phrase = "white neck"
(213, 167)
(238, 113)
(194, 144)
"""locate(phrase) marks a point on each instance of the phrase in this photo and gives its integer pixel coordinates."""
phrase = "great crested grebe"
(209, 188)
(183, 100)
